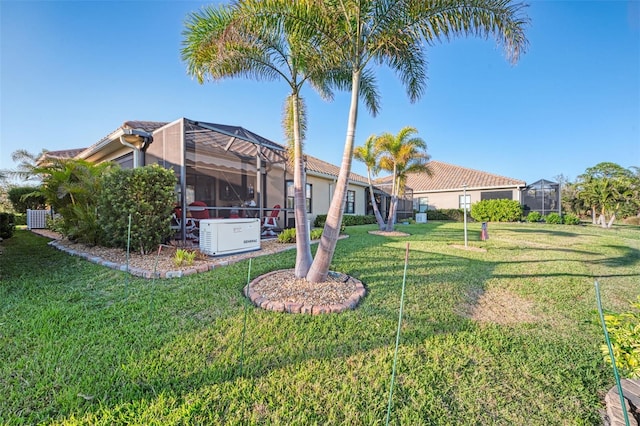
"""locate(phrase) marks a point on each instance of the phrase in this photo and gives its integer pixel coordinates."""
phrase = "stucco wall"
(451, 200)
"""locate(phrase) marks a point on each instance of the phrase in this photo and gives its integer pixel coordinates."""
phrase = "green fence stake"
(395, 355)
(613, 358)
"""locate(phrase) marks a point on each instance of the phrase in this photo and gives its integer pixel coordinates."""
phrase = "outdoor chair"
(198, 210)
(190, 225)
(270, 223)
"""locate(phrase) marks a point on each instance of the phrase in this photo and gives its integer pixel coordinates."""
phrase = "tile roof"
(62, 154)
(323, 168)
(450, 177)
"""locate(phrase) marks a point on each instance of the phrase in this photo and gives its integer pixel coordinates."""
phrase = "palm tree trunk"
(322, 261)
(303, 244)
(374, 205)
(391, 220)
(394, 202)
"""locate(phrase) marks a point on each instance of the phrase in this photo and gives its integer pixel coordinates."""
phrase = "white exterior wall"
(322, 193)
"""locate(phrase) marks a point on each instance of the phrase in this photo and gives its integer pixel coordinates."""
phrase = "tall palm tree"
(366, 33)
(401, 154)
(227, 42)
(368, 154)
(363, 34)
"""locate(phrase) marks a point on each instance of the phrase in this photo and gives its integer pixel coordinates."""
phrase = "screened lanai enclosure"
(381, 193)
(542, 196)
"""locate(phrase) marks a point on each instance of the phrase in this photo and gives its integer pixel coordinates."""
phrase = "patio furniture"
(190, 225)
(199, 210)
(270, 223)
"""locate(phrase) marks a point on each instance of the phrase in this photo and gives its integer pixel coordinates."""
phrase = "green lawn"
(83, 344)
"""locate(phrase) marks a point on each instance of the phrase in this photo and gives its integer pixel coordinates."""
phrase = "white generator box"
(228, 236)
(421, 218)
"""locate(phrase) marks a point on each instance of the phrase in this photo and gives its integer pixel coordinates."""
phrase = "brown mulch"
(163, 260)
(283, 286)
(278, 286)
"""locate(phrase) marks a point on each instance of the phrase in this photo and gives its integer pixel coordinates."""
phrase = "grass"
(83, 344)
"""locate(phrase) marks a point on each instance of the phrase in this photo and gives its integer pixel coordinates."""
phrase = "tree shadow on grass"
(204, 349)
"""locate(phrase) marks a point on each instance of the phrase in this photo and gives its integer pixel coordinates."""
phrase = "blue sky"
(73, 71)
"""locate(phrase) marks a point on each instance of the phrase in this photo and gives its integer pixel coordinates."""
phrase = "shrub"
(26, 197)
(20, 219)
(351, 220)
(553, 218)
(624, 333)
(571, 219)
(534, 217)
(145, 193)
(7, 225)
(55, 223)
(632, 220)
(496, 211)
(447, 214)
(72, 187)
(322, 218)
(184, 257)
(289, 235)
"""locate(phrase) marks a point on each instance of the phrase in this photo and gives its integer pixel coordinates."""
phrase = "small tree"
(368, 154)
(401, 154)
(606, 187)
(25, 198)
(145, 193)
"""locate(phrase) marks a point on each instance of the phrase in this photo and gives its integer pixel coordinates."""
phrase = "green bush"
(56, 224)
(289, 235)
(571, 219)
(447, 214)
(322, 218)
(145, 193)
(534, 217)
(624, 333)
(72, 188)
(553, 218)
(26, 197)
(7, 225)
(20, 219)
(496, 211)
(351, 220)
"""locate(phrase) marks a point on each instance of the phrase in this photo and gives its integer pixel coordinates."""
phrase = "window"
(421, 204)
(290, 200)
(351, 202)
(496, 195)
(462, 201)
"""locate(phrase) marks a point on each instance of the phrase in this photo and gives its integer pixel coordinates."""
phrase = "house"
(445, 188)
(230, 170)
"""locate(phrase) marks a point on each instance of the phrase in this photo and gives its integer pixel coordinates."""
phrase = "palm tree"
(401, 154)
(363, 34)
(27, 163)
(368, 154)
(221, 42)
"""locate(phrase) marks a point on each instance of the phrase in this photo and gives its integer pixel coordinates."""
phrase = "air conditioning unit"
(421, 218)
(228, 236)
